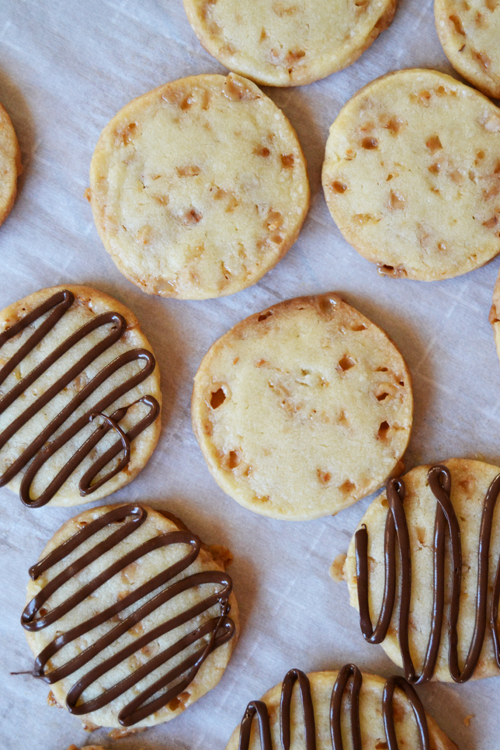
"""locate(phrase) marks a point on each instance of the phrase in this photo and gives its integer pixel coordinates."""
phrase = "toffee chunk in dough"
(465, 492)
(199, 187)
(284, 42)
(10, 164)
(412, 175)
(303, 409)
(130, 616)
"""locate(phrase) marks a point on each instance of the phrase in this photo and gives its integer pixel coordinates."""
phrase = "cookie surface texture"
(10, 164)
(412, 175)
(470, 32)
(80, 396)
(319, 686)
(283, 401)
(286, 43)
(470, 482)
(152, 611)
(199, 187)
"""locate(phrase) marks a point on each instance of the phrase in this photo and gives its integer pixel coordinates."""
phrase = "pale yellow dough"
(124, 582)
(10, 164)
(469, 31)
(199, 187)
(412, 175)
(88, 304)
(371, 720)
(287, 42)
(470, 481)
(303, 409)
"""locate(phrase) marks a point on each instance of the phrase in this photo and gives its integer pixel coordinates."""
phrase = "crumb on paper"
(337, 568)
(52, 701)
(89, 726)
(119, 734)
(221, 554)
(86, 194)
(468, 719)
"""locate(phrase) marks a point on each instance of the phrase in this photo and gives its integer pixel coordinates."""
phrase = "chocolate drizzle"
(259, 710)
(45, 446)
(213, 633)
(396, 529)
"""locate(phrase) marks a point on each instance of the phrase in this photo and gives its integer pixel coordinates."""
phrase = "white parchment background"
(66, 67)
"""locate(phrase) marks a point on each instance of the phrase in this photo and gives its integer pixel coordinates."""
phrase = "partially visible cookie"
(130, 617)
(288, 43)
(302, 409)
(470, 35)
(436, 520)
(323, 710)
(412, 175)
(10, 164)
(199, 187)
(79, 396)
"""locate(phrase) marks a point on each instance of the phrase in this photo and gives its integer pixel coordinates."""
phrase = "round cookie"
(130, 616)
(299, 708)
(199, 187)
(283, 401)
(287, 43)
(412, 175)
(79, 396)
(470, 33)
(418, 596)
(10, 164)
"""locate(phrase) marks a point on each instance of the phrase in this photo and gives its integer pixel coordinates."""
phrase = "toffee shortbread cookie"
(285, 43)
(412, 175)
(79, 396)
(10, 164)
(426, 556)
(470, 35)
(199, 187)
(303, 409)
(130, 617)
(323, 710)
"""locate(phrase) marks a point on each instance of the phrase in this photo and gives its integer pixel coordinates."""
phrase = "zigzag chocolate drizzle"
(43, 448)
(212, 634)
(396, 528)
(259, 710)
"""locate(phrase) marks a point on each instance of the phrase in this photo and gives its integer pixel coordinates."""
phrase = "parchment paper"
(66, 67)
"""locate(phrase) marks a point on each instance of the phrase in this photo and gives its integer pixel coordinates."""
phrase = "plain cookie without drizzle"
(199, 187)
(412, 175)
(285, 42)
(303, 409)
(10, 164)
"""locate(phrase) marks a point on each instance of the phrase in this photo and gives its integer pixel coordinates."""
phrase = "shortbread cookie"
(426, 607)
(10, 164)
(303, 409)
(79, 396)
(288, 43)
(128, 617)
(412, 175)
(470, 34)
(199, 187)
(323, 710)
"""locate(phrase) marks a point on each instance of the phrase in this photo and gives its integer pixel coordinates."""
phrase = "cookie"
(434, 622)
(79, 396)
(470, 32)
(325, 709)
(128, 617)
(199, 187)
(412, 175)
(286, 43)
(283, 401)
(10, 164)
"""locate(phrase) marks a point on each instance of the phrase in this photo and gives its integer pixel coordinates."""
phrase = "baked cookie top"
(412, 175)
(199, 187)
(284, 42)
(435, 623)
(130, 617)
(324, 709)
(10, 164)
(470, 35)
(79, 396)
(283, 401)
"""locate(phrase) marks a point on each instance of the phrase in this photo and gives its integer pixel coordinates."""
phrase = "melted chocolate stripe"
(388, 712)
(291, 678)
(348, 671)
(258, 709)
